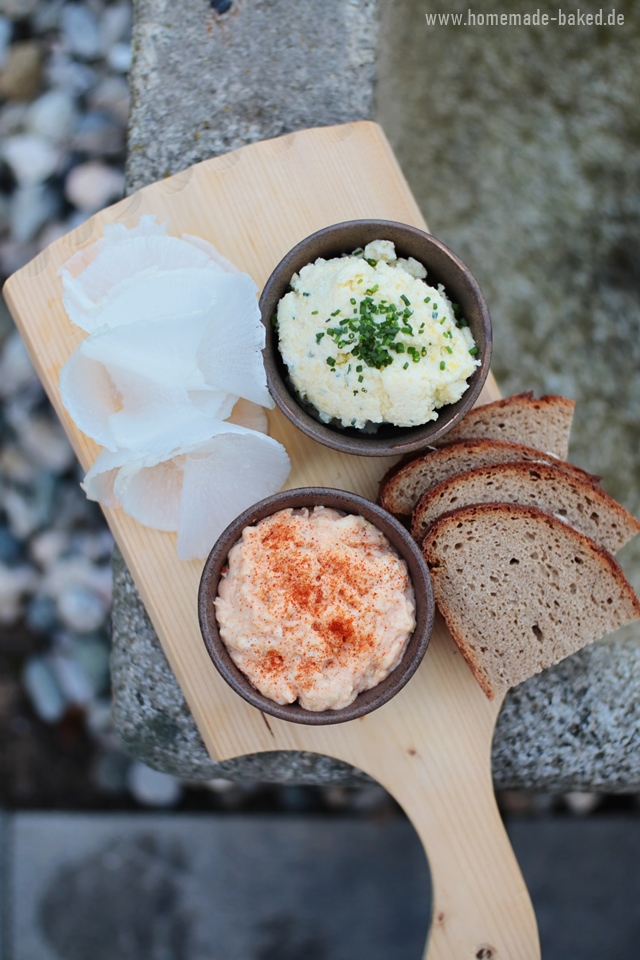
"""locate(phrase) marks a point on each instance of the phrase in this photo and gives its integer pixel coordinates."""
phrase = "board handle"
(481, 907)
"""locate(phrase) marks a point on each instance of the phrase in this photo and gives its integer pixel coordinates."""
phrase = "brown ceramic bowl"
(443, 267)
(399, 538)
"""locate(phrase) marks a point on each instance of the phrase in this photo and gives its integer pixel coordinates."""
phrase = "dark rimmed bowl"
(443, 267)
(399, 538)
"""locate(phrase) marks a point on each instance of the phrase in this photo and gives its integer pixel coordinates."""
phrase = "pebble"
(81, 609)
(15, 582)
(80, 31)
(41, 616)
(15, 467)
(45, 442)
(92, 653)
(22, 72)
(98, 133)
(71, 678)
(151, 788)
(110, 771)
(112, 96)
(10, 548)
(18, 9)
(115, 24)
(32, 159)
(47, 547)
(71, 572)
(91, 186)
(30, 208)
(16, 368)
(5, 38)
(582, 804)
(53, 115)
(119, 57)
(43, 690)
(64, 72)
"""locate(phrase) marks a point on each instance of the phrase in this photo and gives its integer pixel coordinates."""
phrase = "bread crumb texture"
(520, 590)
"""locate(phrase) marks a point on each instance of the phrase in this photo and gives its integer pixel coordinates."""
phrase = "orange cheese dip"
(315, 606)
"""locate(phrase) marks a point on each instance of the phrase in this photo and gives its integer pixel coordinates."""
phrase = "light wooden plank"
(430, 746)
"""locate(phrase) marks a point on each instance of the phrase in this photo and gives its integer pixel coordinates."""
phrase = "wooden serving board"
(431, 745)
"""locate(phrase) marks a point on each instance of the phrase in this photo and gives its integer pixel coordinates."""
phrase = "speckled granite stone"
(203, 84)
(526, 133)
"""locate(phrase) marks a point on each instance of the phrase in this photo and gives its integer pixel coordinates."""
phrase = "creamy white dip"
(315, 606)
(367, 341)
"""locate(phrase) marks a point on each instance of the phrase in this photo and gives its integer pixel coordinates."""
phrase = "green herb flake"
(473, 351)
(442, 365)
(405, 366)
(331, 362)
(448, 349)
(371, 262)
(405, 300)
(319, 336)
(314, 313)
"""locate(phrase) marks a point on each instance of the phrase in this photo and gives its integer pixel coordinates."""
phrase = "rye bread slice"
(579, 502)
(543, 423)
(403, 485)
(521, 590)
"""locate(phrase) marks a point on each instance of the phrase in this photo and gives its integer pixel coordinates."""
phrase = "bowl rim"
(401, 541)
(409, 439)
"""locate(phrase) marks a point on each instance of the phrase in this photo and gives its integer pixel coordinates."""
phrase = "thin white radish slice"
(230, 353)
(98, 483)
(234, 472)
(151, 494)
(90, 397)
(211, 251)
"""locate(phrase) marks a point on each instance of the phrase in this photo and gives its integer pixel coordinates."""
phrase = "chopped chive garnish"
(371, 262)
(352, 300)
(473, 351)
(331, 361)
(360, 378)
(306, 294)
(319, 336)
(405, 366)
(442, 321)
(360, 280)
(448, 349)
(405, 300)
(314, 313)
(442, 365)
(427, 299)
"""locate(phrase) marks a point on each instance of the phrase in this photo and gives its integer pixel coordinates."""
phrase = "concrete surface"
(196, 887)
(193, 887)
(515, 142)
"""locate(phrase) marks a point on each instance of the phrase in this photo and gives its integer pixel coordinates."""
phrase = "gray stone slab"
(532, 191)
(235, 888)
(203, 84)
(584, 882)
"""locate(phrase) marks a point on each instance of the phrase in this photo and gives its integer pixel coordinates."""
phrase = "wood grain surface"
(430, 746)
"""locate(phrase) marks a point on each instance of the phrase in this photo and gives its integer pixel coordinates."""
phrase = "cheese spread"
(366, 340)
(315, 606)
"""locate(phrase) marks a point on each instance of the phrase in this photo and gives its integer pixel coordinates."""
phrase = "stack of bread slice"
(518, 540)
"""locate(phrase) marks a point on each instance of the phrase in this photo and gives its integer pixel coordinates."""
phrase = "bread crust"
(519, 418)
(401, 475)
(618, 528)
